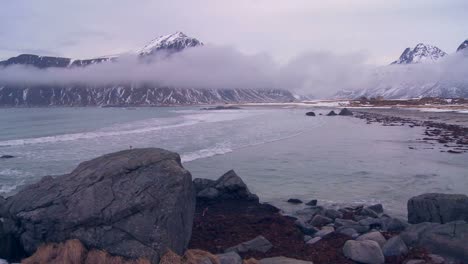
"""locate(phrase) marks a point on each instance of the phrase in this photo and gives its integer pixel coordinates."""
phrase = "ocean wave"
(221, 150)
(205, 153)
(138, 127)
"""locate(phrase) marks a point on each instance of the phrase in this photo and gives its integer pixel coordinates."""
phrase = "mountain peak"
(463, 46)
(173, 42)
(421, 53)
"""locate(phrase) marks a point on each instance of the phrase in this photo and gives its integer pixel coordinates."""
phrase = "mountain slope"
(421, 53)
(124, 94)
(463, 46)
(170, 43)
(130, 95)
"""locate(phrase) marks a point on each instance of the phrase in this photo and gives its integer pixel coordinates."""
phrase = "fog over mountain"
(179, 61)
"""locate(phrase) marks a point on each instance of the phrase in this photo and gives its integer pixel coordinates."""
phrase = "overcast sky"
(88, 28)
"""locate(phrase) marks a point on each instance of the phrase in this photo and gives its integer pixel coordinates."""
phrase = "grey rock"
(306, 229)
(310, 114)
(294, 201)
(331, 113)
(314, 240)
(208, 193)
(312, 203)
(228, 187)
(378, 208)
(374, 236)
(345, 112)
(333, 214)
(395, 246)
(307, 238)
(132, 203)
(201, 184)
(368, 212)
(413, 233)
(283, 260)
(344, 223)
(6, 156)
(372, 223)
(395, 224)
(229, 258)
(449, 239)
(438, 208)
(260, 244)
(320, 220)
(366, 251)
(351, 232)
(308, 213)
(325, 231)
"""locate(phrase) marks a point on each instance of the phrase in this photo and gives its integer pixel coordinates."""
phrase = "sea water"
(279, 152)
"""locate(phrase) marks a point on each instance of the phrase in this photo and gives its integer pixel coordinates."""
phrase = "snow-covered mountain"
(463, 46)
(417, 73)
(171, 43)
(131, 95)
(422, 53)
(125, 94)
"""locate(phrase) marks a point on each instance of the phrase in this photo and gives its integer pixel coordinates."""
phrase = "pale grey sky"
(88, 28)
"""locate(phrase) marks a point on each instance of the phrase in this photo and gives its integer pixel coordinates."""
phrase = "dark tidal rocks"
(310, 114)
(331, 113)
(345, 112)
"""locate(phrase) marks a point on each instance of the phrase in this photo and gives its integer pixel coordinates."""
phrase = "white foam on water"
(145, 126)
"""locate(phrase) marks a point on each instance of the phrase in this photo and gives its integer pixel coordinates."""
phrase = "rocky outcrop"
(449, 239)
(132, 203)
(228, 187)
(331, 113)
(310, 114)
(438, 208)
(345, 112)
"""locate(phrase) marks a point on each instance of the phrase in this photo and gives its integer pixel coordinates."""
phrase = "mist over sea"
(279, 152)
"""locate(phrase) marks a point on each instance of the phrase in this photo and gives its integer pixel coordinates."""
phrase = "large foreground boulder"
(133, 203)
(438, 208)
(366, 251)
(228, 187)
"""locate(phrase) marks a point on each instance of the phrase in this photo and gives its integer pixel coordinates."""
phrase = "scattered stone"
(395, 224)
(351, 232)
(229, 258)
(374, 236)
(333, 214)
(283, 260)
(344, 223)
(310, 114)
(372, 223)
(314, 240)
(259, 244)
(308, 213)
(395, 246)
(366, 251)
(6, 156)
(312, 203)
(332, 113)
(307, 238)
(221, 107)
(324, 232)
(345, 112)
(320, 220)
(378, 208)
(368, 212)
(306, 229)
(437, 208)
(133, 203)
(294, 201)
(413, 233)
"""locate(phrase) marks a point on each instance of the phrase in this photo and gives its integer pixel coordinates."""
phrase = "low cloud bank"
(315, 73)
